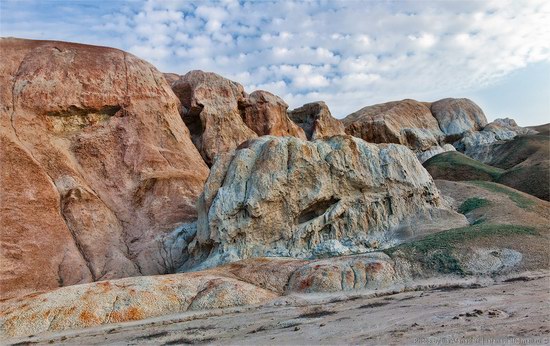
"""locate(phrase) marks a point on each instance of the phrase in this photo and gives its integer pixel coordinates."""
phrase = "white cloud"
(349, 53)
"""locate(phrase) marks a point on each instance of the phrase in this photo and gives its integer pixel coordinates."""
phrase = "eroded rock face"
(316, 121)
(100, 165)
(128, 299)
(456, 116)
(477, 144)
(371, 271)
(210, 109)
(406, 122)
(171, 77)
(266, 114)
(286, 197)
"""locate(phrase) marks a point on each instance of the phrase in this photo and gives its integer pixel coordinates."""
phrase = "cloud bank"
(348, 53)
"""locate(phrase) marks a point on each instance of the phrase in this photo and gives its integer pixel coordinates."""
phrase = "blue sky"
(347, 53)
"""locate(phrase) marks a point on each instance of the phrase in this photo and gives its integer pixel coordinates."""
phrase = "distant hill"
(522, 163)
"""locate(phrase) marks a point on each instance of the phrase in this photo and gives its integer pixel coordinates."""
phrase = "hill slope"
(522, 163)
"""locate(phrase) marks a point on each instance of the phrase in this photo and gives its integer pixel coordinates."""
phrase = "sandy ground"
(513, 312)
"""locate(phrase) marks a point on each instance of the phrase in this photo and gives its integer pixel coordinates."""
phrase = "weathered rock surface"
(406, 122)
(456, 116)
(171, 77)
(251, 282)
(510, 125)
(96, 165)
(373, 271)
(248, 282)
(285, 197)
(336, 319)
(316, 121)
(126, 299)
(266, 114)
(476, 144)
(210, 109)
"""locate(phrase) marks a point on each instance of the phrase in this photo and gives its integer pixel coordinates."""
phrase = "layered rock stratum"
(97, 166)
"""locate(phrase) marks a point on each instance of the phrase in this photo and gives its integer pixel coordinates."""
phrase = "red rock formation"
(171, 77)
(316, 121)
(406, 122)
(96, 165)
(210, 109)
(266, 114)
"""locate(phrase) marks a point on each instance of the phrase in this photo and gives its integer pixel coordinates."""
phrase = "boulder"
(316, 121)
(266, 114)
(97, 165)
(456, 116)
(281, 196)
(210, 109)
(406, 122)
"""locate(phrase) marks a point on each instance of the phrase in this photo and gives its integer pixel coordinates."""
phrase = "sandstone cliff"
(96, 165)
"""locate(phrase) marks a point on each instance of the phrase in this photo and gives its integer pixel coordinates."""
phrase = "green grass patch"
(452, 159)
(520, 200)
(435, 251)
(472, 204)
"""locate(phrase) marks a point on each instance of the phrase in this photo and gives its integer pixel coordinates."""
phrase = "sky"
(347, 53)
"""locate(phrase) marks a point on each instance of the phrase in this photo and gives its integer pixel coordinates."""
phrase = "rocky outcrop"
(266, 114)
(171, 77)
(125, 300)
(456, 116)
(406, 122)
(249, 282)
(210, 109)
(506, 124)
(286, 197)
(316, 121)
(97, 165)
(476, 144)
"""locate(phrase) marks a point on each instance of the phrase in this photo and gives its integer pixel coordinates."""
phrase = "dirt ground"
(516, 311)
